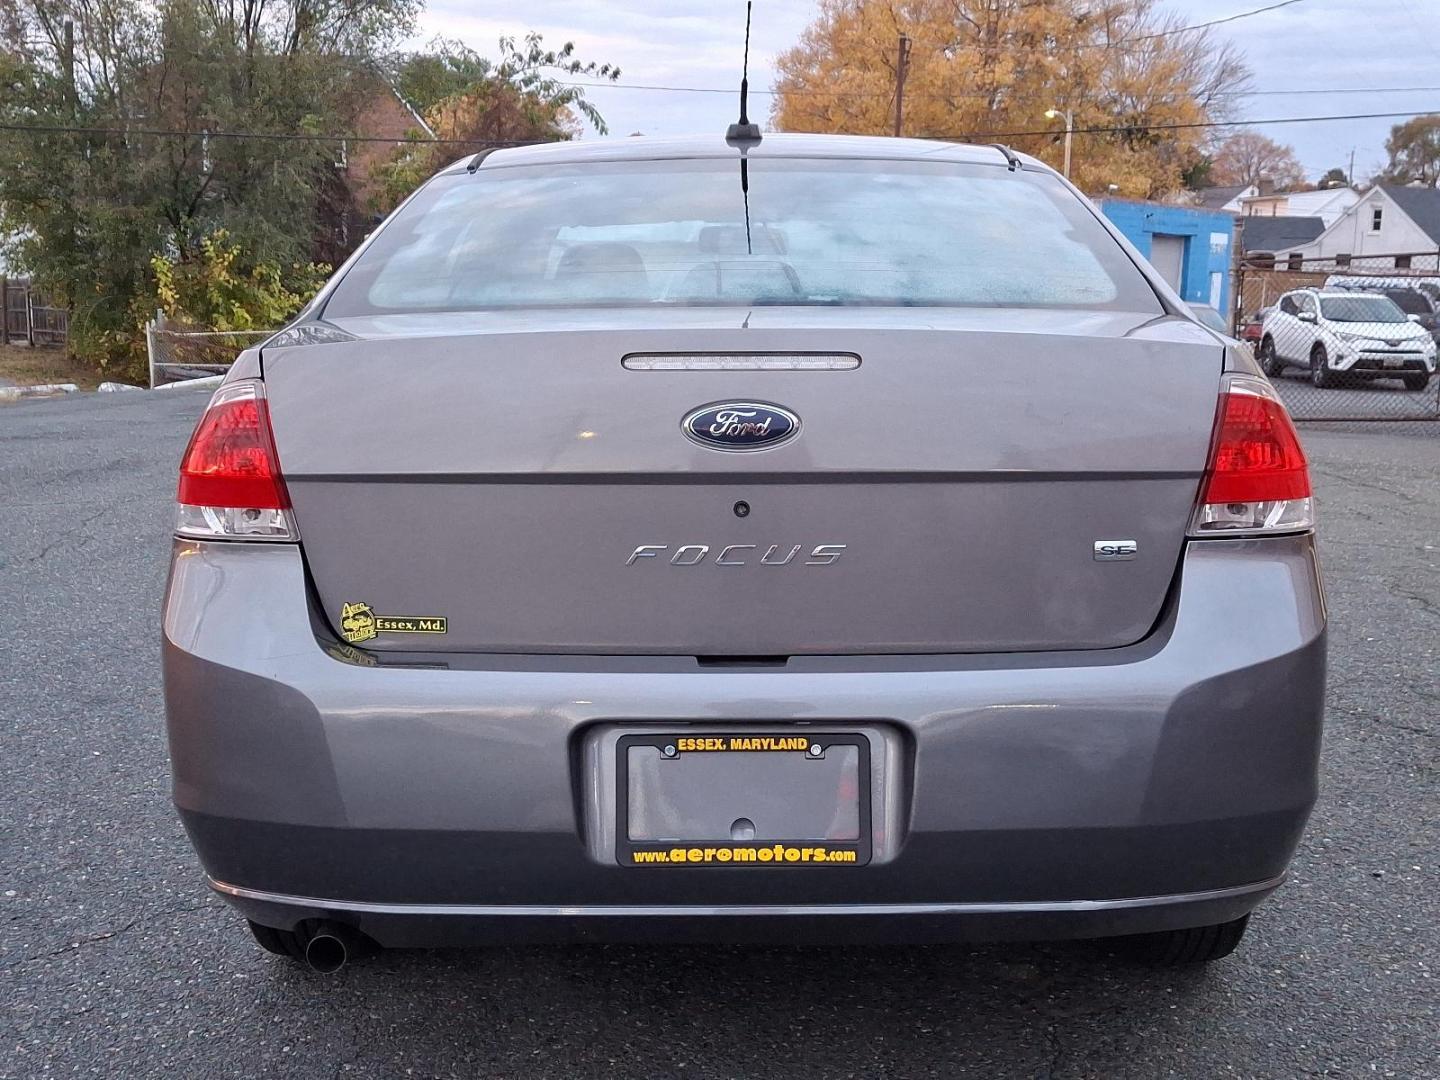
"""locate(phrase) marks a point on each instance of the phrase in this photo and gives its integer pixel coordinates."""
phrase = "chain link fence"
(1349, 339)
(1342, 339)
(180, 354)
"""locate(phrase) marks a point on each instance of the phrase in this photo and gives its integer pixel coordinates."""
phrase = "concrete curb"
(198, 384)
(15, 393)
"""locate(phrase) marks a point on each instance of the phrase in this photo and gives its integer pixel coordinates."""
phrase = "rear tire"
(1321, 376)
(1418, 381)
(286, 943)
(1193, 945)
(1270, 361)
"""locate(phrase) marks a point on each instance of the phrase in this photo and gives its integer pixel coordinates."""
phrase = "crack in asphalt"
(74, 945)
(96, 939)
(1346, 478)
(1426, 604)
(70, 532)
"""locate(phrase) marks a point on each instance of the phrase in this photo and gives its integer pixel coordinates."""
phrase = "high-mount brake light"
(1257, 481)
(230, 482)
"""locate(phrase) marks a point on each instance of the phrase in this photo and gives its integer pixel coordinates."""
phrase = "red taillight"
(1257, 479)
(231, 460)
(1256, 454)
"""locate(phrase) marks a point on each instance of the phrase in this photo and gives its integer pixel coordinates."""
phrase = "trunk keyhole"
(742, 829)
(742, 509)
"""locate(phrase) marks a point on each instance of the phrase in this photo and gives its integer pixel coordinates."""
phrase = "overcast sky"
(1313, 44)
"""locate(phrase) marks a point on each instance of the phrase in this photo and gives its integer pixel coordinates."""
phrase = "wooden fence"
(27, 318)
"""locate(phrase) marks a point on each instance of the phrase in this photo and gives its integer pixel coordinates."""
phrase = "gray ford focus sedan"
(799, 538)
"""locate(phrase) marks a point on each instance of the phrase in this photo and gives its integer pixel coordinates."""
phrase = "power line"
(730, 91)
(1139, 38)
(1210, 23)
(1122, 128)
(63, 129)
(278, 136)
(1329, 90)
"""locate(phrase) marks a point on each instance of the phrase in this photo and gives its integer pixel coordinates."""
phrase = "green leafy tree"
(1196, 177)
(116, 175)
(473, 102)
(1414, 149)
(218, 288)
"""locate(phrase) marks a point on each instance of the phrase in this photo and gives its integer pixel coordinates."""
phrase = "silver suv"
(818, 537)
(1339, 335)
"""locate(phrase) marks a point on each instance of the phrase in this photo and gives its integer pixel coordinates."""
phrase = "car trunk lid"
(947, 494)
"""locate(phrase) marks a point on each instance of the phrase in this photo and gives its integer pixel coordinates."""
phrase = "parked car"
(1337, 335)
(1417, 303)
(605, 555)
(1428, 286)
(1251, 331)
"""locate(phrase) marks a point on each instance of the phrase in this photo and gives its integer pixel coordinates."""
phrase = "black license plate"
(743, 799)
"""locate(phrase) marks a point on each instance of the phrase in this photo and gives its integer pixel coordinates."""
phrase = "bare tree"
(1247, 157)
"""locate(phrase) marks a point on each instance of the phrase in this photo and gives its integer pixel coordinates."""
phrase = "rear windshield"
(814, 232)
(1376, 309)
(1409, 301)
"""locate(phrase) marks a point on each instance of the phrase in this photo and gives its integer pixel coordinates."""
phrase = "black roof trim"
(479, 158)
(1011, 161)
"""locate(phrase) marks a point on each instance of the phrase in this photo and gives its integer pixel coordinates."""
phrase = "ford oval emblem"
(741, 426)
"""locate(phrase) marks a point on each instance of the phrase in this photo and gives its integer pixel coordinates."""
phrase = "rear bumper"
(1043, 795)
(1375, 364)
(430, 925)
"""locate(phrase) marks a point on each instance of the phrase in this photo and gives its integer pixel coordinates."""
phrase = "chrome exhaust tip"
(333, 945)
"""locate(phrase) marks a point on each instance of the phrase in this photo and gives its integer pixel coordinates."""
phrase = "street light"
(1055, 114)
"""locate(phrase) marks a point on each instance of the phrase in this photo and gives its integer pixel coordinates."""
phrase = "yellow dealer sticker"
(358, 622)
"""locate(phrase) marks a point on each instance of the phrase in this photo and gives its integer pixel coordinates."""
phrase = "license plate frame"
(771, 853)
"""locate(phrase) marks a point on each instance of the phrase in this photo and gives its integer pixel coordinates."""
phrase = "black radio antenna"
(744, 130)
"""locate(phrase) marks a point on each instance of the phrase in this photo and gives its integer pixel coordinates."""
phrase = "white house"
(1388, 228)
(1328, 204)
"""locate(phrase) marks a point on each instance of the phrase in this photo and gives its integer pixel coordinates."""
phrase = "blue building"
(1189, 245)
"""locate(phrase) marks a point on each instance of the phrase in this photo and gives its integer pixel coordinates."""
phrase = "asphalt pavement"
(116, 962)
(1375, 399)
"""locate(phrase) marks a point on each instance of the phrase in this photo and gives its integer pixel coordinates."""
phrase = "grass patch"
(27, 365)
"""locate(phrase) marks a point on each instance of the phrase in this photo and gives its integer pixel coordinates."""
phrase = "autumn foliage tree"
(988, 70)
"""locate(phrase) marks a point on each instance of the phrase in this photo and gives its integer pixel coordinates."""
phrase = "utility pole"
(1351, 181)
(902, 66)
(67, 62)
(1069, 115)
(1069, 133)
